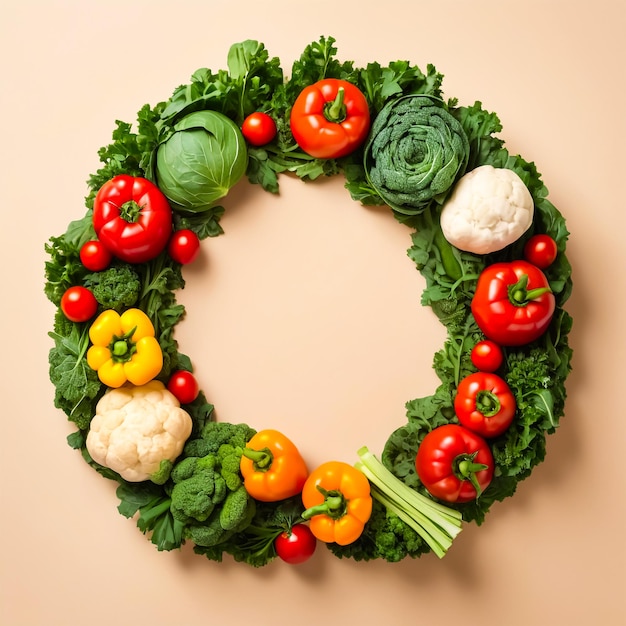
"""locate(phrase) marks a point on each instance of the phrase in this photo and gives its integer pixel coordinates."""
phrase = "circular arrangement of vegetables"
(488, 242)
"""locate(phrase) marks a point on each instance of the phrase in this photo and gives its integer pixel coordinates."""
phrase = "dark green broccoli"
(254, 544)
(215, 434)
(385, 536)
(234, 516)
(162, 475)
(236, 509)
(229, 458)
(198, 489)
(117, 287)
(208, 495)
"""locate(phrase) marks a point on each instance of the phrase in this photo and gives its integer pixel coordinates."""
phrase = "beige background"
(305, 316)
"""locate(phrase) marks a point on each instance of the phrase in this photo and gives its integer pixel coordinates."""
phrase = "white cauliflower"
(489, 208)
(136, 428)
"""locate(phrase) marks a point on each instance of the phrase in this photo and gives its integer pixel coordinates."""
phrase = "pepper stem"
(129, 211)
(334, 505)
(122, 348)
(262, 459)
(520, 296)
(487, 403)
(465, 469)
(335, 111)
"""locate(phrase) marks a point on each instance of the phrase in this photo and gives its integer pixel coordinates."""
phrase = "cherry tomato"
(184, 246)
(258, 128)
(95, 256)
(487, 356)
(296, 545)
(540, 250)
(78, 304)
(184, 386)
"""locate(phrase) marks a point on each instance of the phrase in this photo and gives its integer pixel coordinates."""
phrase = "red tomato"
(258, 128)
(487, 356)
(540, 250)
(95, 256)
(184, 246)
(296, 545)
(184, 386)
(78, 304)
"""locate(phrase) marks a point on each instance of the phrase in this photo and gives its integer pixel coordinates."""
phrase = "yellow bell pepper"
(124, 348)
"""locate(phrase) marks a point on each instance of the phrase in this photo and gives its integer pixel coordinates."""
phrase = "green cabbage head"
(200, 160)
(415, 152)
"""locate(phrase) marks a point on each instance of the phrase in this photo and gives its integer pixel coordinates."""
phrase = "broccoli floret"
(208, 493)
(253, 543)
(198, 489)
(229, 458)
(385, 536)
(117, 287)
(216, 434)
(161, 476)
(235, 510)
(235, 515)
(206, 535)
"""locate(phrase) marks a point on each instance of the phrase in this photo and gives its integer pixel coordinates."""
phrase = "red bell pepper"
(330, 118)
(132, 218)
(513, 303)
(454, 464)
(485, 404)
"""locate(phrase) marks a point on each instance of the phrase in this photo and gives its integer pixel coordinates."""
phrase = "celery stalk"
(436, 523)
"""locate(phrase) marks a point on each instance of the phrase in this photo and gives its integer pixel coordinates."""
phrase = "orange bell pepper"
(272, 467)
(338, 502)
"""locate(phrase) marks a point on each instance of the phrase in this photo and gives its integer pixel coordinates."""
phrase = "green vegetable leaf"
(479, 126)
(317, 62)
(380, 84)
(130, 152)
(255, 76)
(77, 386)
(63, 269)
(155, 516)
(204, 224)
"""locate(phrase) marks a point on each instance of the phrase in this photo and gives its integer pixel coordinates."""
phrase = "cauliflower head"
(136, 428)
(489, 208)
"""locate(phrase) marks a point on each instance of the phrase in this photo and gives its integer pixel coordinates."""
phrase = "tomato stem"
(487, 403)
(335, 111)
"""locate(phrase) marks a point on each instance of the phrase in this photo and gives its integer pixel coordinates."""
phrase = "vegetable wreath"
(487, 240)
